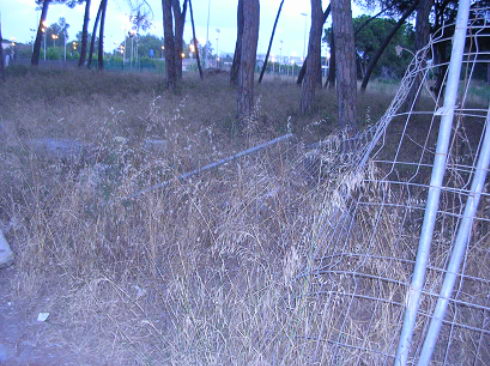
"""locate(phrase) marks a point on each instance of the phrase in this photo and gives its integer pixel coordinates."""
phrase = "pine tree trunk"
(237, 56)
(179, 16)
(196, 48)
(302, 71)
(440, 59)
(94, 33)
(374, 61)
(169, 41)
(330, 83)
(314, 58)
(345, 64)
(40, 34)
(83, 46)
(422, 33)
(264, 67)
(245, 99)
(100, 57)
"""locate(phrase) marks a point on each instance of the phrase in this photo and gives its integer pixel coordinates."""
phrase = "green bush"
(17, 70)
(54, 53)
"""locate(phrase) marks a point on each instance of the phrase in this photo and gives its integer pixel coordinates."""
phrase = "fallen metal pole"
(214, 165)
(450, 96)
(460, 244)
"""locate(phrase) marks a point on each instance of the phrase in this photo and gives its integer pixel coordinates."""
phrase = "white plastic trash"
(6, 254)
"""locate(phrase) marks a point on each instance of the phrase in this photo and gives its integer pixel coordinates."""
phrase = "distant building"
(283, 60)
(8, 51)
(6, 44)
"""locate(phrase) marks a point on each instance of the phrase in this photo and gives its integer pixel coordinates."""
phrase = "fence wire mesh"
(370, 194)
(356, 285)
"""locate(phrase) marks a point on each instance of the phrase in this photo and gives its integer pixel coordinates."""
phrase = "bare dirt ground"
(25, 341)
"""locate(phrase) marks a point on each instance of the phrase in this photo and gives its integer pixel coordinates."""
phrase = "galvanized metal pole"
(214, 165)
(414, 292)
(460, 244)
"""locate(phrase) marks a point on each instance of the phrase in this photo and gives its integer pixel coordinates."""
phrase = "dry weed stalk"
(254, 264)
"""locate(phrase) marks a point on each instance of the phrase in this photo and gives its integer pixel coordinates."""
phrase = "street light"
(206, 55)
(54, 37)
(304, 37)
(12, 44)
(218, 31)
(44, 29)
(131, 35)
(33, 30)
(64, 47)
(293, 64)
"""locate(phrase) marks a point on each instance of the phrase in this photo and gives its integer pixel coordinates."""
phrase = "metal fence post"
(460, 244)
(447, 112)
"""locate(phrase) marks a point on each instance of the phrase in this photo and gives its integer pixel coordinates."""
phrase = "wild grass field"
(202, 272)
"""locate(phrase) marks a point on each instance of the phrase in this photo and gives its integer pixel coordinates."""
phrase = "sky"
(20, 18)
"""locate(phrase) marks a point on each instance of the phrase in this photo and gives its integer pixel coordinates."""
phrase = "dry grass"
(201, 273)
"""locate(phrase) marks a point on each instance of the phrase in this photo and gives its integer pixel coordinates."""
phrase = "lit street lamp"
(74, 47)
(121, 51)
(13, 44)
(131, 34)
(44, 29)
(54, 37)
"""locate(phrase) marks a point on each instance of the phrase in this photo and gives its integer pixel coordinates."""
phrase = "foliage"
(443, 11)
(398, 53)
(22, 50)
(58, 30)
(393, 7)
(141, 17)
(394, 60)
(147, 43)
(206, 50)
(54, 53)
(69, 3)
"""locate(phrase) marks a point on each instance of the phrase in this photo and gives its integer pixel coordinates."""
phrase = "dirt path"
(28, 342)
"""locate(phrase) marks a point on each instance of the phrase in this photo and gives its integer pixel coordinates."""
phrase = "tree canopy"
(369, 39)
(395, 59)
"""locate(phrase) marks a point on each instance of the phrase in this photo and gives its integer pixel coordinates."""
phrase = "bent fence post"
(414, 292)
(460, 244)
(214, 165)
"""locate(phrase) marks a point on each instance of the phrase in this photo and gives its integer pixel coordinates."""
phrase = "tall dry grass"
(204, 272)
